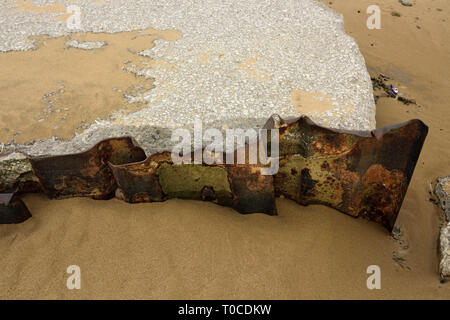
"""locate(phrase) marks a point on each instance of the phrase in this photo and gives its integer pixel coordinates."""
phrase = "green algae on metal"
(195, 181)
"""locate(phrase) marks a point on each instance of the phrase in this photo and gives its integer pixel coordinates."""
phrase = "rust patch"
(85, 174)
(307, 183)
(382, 194)
(252, 191)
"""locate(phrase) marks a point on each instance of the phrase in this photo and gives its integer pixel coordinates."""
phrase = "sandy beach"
(184, 249)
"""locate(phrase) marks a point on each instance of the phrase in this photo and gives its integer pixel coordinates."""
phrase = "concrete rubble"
(442, 191)
(444, 265)
(15, 169)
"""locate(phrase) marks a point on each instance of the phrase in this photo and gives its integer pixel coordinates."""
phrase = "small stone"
(406, 3)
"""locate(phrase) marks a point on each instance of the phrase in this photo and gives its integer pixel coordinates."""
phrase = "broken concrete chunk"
(444, 265)
(442, 191)
(16, 173)
(406, 3)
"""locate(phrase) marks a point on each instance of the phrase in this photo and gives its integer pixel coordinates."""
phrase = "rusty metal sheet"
(359, 173)
(252, 191)
(87, 173)
(12, 209)
(139, 182)
(241, 187)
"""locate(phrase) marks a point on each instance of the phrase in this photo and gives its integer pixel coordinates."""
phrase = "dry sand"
(189, 249)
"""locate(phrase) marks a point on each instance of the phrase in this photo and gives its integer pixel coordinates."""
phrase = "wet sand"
(189, 249)
(61, 89)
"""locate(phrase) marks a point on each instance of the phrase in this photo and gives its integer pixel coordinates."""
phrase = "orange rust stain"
(390, 179)
(331, 145)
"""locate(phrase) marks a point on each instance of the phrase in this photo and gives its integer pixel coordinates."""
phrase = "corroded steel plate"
(12, 209)
(86, 173)
(359, 173)
(241, 187)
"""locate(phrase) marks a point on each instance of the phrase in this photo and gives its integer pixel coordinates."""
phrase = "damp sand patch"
(70, 81)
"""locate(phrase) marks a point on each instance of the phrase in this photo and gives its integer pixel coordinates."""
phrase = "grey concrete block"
(444, 265)
(15, 168)
(442, 191)
(292, 44)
